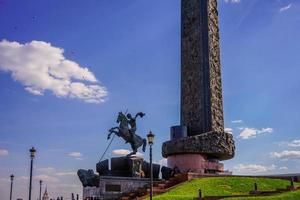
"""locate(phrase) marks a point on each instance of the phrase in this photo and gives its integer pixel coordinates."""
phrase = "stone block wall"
(114, 187)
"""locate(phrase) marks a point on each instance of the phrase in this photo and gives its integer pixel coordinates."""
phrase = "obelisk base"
(201, 153)
(196, 163)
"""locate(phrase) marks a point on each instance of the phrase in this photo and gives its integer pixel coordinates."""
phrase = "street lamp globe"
(150, 138)
(32, 152)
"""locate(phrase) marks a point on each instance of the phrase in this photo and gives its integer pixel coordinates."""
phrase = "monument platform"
(196, 163)
(200, 153)
(124, 175)
(213, 144)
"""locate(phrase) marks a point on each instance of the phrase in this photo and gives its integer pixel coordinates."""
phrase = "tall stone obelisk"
(200, 141)
(201, 88)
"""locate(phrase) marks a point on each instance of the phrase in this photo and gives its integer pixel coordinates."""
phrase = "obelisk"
(201, 88)
(200, 142)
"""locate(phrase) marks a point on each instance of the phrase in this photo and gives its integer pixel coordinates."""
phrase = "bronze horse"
(128, 133)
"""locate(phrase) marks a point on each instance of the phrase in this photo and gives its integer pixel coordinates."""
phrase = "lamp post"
(32, 154)
(41, 182)
(11, 185)
(150, 137)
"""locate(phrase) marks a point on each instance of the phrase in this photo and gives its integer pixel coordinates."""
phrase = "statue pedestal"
(125, 175)
(127, 166)
(132, 166)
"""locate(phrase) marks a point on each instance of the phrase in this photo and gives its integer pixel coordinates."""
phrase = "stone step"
(156, 190)
(172, 179)
(155, 184)
(141, 192)
(162, 185)
(132, 195)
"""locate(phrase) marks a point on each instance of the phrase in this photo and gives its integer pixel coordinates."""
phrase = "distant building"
(45, 196)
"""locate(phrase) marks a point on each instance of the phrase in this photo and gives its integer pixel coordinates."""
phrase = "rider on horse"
(126, 130)
(132, 121)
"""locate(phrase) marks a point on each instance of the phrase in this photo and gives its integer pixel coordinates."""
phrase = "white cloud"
(46, 178)
(283, 168)
(22, 178)
(41, 67)
(286, 155)
(229, 130)
(294, 143)
(76, 155)
(47, 170)
(69, 186)
(124, 152)
(66, 174)
(238, 121)
(3, 152)
(4, 180)
(232, 1)
(121, 152)
(285, 8)
(253, 168)
(52, 171)
(248, 133)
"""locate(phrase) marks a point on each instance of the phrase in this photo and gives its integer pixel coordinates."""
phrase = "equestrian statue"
(126, 130)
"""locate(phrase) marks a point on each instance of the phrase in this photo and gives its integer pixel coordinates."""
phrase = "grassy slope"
(219, 186)
(285, 196)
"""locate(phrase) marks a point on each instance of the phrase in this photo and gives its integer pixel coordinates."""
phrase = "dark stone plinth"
(88, 178)
(213, 144)
(119, 164)
(178, 132)
(103, 167)
(126, 166)
(166, 173)
(146, 170)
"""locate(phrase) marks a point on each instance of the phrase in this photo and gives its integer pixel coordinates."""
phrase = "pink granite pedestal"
(194, 163)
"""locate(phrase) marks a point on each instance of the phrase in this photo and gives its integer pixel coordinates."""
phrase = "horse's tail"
(144, 144)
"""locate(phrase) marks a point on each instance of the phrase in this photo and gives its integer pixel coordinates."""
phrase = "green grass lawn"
(285, 196)
(220, 186)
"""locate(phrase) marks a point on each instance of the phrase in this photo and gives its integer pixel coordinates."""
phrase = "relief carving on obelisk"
(201, 87)
(216, 99)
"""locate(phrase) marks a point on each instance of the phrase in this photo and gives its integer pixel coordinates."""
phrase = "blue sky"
(68, 67)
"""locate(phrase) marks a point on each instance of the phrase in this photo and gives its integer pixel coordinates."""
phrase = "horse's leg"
(111, 131)
(140, 142)
(108, 136)
(134, 150)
